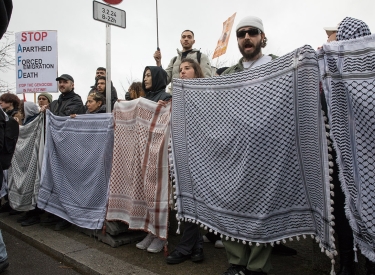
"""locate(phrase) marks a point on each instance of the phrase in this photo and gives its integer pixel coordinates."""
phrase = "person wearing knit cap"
(251, 38)
(44, 100)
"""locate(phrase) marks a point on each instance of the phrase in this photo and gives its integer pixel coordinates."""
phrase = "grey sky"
(288, 25)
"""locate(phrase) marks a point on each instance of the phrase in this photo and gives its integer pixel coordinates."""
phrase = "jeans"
(3, 251)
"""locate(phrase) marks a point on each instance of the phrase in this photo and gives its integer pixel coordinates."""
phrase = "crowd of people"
(188, 64)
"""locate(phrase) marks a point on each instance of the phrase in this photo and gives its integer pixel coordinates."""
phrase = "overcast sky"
(288, 25)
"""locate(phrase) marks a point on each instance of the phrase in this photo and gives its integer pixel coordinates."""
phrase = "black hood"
(159, 79)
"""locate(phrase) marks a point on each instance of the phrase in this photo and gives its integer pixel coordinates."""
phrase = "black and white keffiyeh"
(76, 168)
(351, 28)
(249, 152)
(348, 74)
(24, 173)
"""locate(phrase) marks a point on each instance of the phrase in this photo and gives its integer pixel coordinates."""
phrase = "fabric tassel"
(333, 270)
(355, 252)
(243, 242)
(257, 244)
(178, 228)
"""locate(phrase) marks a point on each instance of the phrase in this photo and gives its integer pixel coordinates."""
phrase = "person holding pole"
(187, 41)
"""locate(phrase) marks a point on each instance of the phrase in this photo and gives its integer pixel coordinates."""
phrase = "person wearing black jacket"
(68, 102)
(154, 83)
(100, 72)
(6, 7)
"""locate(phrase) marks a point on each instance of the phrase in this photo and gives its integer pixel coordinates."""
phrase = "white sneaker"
(219, 244)
(157, 245)
(145, 243)
(205, 239)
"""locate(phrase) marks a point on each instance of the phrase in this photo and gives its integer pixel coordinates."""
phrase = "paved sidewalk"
(89, 256)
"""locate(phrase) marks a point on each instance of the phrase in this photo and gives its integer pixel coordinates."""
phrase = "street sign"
(113, 2)
(109, 14)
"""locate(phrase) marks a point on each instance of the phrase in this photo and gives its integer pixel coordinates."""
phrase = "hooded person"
(154, 84)
(351, 28)
(30, 111)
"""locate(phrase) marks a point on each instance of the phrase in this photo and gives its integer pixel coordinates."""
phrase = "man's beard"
(249, 56)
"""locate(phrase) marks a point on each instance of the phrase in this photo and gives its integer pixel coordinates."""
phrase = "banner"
(222, 43)
(36, 62)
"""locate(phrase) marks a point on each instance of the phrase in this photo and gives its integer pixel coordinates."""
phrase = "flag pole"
(157, 26)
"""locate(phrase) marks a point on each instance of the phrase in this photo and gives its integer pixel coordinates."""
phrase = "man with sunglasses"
(246, 260)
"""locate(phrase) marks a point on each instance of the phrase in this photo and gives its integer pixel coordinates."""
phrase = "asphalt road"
(27, 260)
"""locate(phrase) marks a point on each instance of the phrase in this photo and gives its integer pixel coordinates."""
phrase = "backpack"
(11, 132)
(199, 54)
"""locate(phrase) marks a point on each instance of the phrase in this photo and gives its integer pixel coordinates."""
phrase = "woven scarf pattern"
(249, 153)
(76, 168)
(348, 73)
(139, 179)
(24, 173)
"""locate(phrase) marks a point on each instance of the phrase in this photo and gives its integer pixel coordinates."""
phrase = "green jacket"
(173, 69)
(239, 66)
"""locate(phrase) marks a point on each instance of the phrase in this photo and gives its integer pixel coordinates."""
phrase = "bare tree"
(6, 59)
(6, 52)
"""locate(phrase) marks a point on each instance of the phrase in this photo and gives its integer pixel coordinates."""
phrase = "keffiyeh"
(348, 73)
(76, 168)
(24, 172)
(250, 154)
(139, 179)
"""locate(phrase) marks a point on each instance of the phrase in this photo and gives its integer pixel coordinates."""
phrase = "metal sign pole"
(157, 27)
(108, 85)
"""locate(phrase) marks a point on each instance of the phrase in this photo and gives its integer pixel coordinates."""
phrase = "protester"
(95, 104)
(251, 39)
(187, 41)
(348, 28)
(9, 103)
(135, 91)
(68, 103)
(6, 7)
(191, 242)
(28, 112)
(3, 253)
(44, 100)
(154, 83)
(101, 72)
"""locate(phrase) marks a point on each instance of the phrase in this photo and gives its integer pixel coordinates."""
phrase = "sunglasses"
(250, 32)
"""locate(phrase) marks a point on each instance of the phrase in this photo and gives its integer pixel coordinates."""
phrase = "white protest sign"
(36, 62)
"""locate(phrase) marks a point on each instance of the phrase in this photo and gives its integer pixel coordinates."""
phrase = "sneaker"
(31, 221)
(4, 265)
(145, 243)
(61, 225)
(237, 270)
(157, 245)
(51, 220)
(219, 244)
(205, 239)
(24, 217)
(176, 257)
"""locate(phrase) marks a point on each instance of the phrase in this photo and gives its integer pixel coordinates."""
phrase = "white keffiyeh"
(24, 172)
(76, 168)
(348, 74)
(250, 154)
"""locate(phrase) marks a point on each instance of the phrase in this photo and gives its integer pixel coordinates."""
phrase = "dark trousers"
(191, 239)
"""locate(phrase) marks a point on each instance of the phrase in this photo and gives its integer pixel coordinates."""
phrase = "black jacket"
(67, 104)
(6, 7)
(159, 82)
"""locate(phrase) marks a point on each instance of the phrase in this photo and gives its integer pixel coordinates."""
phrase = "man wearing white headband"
(246, 260)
